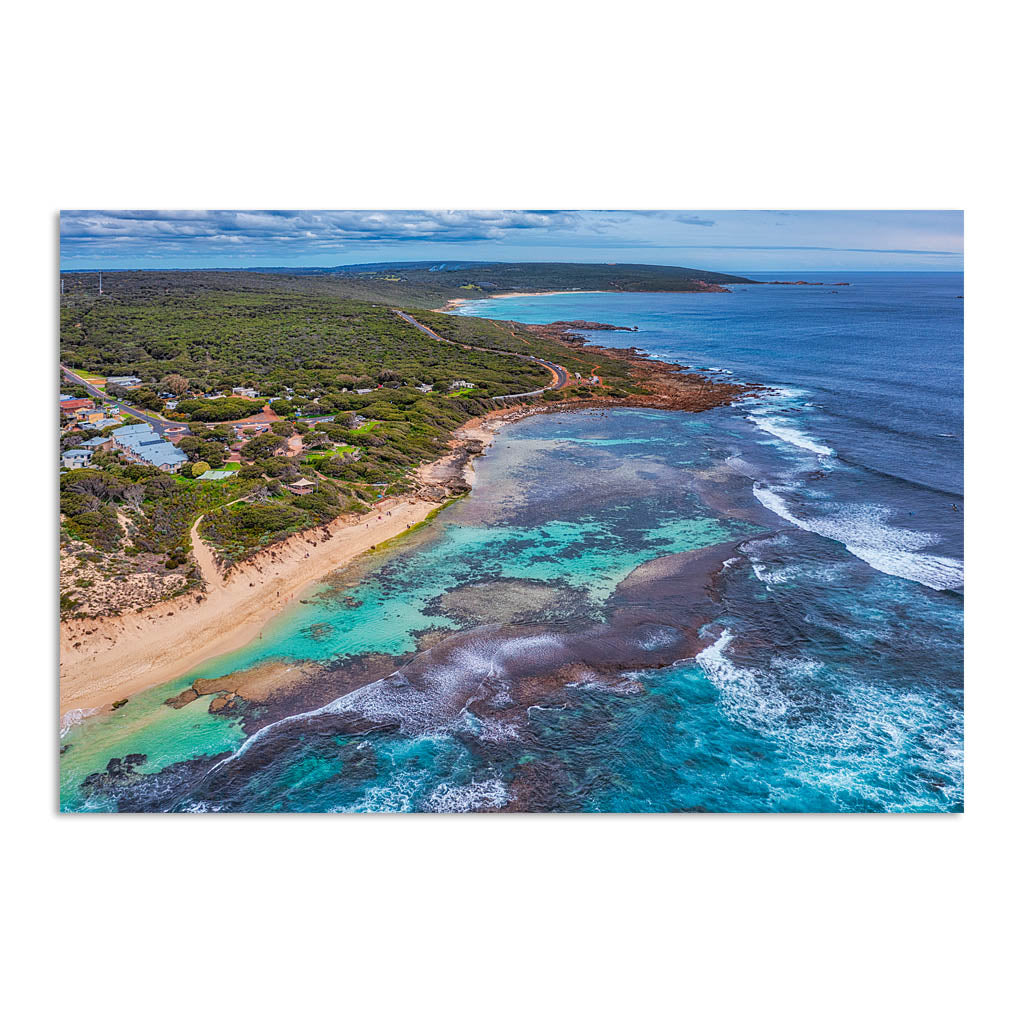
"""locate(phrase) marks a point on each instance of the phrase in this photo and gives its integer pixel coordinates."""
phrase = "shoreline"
(455, 303)
(112, 658)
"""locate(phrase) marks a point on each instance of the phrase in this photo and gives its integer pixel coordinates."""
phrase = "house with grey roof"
(97, 443)
(76, 458)
(133, 428)
(146, 445)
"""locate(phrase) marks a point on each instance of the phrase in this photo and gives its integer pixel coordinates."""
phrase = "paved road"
(159, 425)
(559, 373)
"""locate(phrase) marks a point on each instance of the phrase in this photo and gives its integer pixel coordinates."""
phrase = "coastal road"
(559, 374)
(158, 424)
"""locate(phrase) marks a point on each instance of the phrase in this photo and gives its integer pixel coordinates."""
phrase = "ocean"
(755, 609)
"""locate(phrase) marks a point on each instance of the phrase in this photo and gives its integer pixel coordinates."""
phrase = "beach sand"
(455, 303)
(109, 659)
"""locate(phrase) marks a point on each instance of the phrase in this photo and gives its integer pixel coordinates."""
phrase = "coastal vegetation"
(410, 285)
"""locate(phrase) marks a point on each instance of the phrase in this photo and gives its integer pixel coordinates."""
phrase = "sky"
(726, 241)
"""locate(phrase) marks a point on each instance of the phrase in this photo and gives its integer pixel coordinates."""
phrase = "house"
(103, 424)
(76, 458)
(245, 392)
(425, 388)
(70, 406)
(143, 444)
(89, 415)
(65, 398)
(98, 444)
(301, 486)
(172, 404)
(164, 456)
(363, 391)
(124, 382)
(456, 384)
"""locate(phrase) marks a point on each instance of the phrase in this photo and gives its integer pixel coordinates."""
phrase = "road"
(559, 373)
(158, 424)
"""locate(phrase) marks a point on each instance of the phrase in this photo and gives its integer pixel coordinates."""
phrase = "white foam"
(75, 717)
(864, 532)
(450, 799)
(839, 748)
(785, 431)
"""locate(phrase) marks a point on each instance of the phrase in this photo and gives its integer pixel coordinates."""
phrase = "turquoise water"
(515, 654)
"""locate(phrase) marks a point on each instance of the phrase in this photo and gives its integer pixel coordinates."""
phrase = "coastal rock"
(183, 698)
(589, 325)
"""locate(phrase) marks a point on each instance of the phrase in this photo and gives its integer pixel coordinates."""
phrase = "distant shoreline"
(455, 303)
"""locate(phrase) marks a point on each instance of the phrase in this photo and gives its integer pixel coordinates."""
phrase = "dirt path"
(108, 659)
(204, 553)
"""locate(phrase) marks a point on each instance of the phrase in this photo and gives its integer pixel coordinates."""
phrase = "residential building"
(245, 392)
(89, 415)
(98, 444)
(76, 458)
(70, 406)
(142, 444)
(132, 428)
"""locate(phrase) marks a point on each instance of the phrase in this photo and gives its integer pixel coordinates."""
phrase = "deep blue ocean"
(555, 641)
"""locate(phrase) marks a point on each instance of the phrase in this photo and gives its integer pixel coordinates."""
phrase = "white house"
(76, 458)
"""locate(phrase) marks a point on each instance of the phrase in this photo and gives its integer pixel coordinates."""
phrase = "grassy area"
(366, 427)
(319, 456)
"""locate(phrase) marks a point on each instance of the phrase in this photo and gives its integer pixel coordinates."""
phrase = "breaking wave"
(863, 531)
(785, 431)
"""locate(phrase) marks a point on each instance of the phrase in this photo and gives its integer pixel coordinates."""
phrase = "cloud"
(223, 230)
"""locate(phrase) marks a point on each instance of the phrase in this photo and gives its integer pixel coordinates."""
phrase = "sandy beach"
(455, 303)
(111, 658)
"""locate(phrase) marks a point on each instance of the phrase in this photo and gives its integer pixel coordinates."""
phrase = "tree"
(199, 468)
(176, 383)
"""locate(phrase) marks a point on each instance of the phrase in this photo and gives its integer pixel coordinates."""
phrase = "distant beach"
(455, 303)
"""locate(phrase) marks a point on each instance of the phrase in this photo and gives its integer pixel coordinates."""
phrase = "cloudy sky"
(766, 240)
